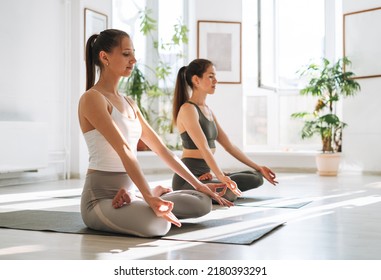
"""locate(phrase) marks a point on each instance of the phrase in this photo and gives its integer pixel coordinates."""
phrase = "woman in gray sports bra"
(112, 126)
(199, 129)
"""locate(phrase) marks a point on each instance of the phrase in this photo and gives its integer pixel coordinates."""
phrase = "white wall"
(31, 83)
(227, 102)
(362, 137)
(42, 77)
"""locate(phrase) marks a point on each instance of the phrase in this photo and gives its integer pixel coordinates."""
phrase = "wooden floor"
(343, 222)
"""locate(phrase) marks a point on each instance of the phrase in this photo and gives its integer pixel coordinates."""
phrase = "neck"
(107, 86)
(198, 98)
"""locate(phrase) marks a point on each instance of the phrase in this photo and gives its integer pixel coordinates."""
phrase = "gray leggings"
(246, 180)
(136, 218)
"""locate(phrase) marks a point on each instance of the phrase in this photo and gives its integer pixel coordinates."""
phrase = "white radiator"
(23, 146)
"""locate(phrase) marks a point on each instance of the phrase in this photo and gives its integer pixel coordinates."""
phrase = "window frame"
(333, 50)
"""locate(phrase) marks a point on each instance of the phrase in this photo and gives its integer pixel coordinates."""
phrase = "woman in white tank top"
(112, 126)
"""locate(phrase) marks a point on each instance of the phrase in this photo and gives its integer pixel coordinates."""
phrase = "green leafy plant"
(328, 82)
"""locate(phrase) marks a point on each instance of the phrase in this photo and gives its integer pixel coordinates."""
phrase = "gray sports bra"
(208, 127)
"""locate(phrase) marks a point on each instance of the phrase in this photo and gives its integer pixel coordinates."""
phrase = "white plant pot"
(328, 164)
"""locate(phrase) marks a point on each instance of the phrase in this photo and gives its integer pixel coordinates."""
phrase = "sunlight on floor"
(327, 227)
(21, 249)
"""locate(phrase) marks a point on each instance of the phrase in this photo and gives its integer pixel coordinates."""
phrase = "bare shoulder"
(90, 95)
(187, 109)
(92, 99)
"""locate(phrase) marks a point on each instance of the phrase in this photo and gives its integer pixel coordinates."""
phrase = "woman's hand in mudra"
(231, 185)
(163, 208)
(216, 191)
(268, 174)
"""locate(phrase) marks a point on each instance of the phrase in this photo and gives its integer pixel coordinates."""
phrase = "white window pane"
(301, 37)
(256, 120)
(292, 33)
(126, 17)
(170, 14)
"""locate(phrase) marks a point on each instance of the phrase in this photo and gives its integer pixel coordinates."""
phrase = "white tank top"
(102, 156)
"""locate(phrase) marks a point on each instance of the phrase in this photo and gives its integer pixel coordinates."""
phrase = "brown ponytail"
(181, 94)
(90, 66)
(105, 41)
(184, 79)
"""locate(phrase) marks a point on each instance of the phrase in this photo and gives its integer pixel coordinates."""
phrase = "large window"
(156, 47)
(284, 36)
(291, 33)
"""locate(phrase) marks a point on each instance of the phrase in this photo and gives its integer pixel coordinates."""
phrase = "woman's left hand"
(268, 174)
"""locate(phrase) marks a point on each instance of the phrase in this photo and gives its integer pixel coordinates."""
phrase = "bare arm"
(242, 157)
(93, 112)
(152, 140)
(188, 118)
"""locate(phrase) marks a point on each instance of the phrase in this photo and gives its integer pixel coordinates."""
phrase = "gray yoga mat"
(216, 231)
(271, 202)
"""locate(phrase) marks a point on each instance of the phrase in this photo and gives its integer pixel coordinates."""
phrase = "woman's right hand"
(211, 189)
(230, 184)
(163, 208)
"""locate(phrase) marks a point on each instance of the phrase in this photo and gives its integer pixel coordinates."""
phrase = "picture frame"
(361, 46)
(220, 42)
(94, 23)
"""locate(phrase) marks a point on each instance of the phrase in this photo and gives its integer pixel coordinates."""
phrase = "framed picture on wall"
(95, 22)
(362, 42)
(220, 42)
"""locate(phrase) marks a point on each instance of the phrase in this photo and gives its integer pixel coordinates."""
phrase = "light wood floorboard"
(343, 222)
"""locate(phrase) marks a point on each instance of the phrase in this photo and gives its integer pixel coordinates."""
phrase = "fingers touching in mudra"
(231, 185)
(162, 208)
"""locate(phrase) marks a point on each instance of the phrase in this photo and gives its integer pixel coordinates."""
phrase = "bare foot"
(121, 198)
(160, 190)
(206, 176)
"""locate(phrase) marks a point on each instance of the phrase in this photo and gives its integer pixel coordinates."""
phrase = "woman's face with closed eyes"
(122, 59)
(208, 81)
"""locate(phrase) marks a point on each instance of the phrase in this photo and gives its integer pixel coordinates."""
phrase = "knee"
(260, 179)
(200, 206)
(203, 207)
(147, 224)
(249, 180)
(156, 227)
(189, 203)
(229, 195)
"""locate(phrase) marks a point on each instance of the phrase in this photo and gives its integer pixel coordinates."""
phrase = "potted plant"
(328, 82)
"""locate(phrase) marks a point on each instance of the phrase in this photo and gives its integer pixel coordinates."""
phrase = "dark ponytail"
(90, 66)
(184, 79)
(181, 94)
(106, 41)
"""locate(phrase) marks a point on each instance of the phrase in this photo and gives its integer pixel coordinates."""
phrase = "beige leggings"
(136, 218)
